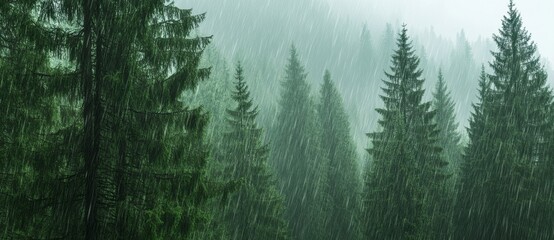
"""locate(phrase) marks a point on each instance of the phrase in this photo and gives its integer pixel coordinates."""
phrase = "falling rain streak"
(266, 119)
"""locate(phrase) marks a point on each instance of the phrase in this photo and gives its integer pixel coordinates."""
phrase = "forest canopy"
(128, 120)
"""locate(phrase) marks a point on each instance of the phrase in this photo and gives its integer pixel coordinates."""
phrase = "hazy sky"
(448, 17)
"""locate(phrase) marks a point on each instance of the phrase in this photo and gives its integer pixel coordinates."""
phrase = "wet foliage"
(147, 120)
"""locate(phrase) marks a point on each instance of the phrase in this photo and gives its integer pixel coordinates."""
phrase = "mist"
(276, 119)
(479, 19)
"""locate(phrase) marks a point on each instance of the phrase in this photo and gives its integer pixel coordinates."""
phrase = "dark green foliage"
(256, 210)
(449, 140)
(296, 154)
(407, 172)
(37, 130)
(132, 166)
(445, 118)
(505, 189)
(343, 181)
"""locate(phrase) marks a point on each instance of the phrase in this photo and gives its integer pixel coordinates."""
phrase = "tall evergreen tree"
(37, 128)
(449, 141)
(297, 157)
(445, 118)
(469, 172)
(505, 192)
(256, 210)
(407, 170)
(135, 158)
(343, 183)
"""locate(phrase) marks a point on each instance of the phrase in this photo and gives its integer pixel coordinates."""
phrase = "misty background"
(452, 36)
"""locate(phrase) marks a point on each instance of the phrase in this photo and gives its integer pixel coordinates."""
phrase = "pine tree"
(37, 130)
(256, 210)
(407, 170)
(342, 175)
(470, 173)
(504, 190)
(449, 140)
(132, 165)
(297, 156)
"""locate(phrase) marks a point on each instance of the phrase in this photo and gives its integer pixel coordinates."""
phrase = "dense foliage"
(120, 120)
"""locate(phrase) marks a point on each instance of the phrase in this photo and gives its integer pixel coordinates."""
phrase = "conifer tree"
(37, 128)
(504, 190)
(445, 118)
(343, 183)
(449, 141)
(407, 171)
(469, 171)
(132, 164)
(297, 157)
(256, 210)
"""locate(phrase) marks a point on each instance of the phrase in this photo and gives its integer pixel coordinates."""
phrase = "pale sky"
(448, 17)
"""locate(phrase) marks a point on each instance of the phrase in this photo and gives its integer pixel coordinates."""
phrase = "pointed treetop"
(441, 89)
(293, 60)
(404, 32)
(403, 41)
(513, 15)
(405, 52)
(327, 77)
(293, 52)
(484, 84)
(239, 71)
(240, 87)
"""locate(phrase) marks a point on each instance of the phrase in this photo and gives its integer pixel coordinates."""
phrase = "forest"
(151, 119)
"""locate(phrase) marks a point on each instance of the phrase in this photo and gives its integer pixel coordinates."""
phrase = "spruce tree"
(37, 130)
(504, 193)
(449, 141)
(132, 165)
(297, 157)
(343, 183)
(256, 210)
(470, 172)
(445, 118)
(407, 170)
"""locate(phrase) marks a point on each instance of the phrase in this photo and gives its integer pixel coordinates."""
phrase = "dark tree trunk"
(92, 118)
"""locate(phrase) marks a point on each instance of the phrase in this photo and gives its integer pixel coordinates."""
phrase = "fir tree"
(407, 171)
(504, 190)
(296, 155)
(37, 130)
(135, 158)
(256, 210)
(470, 174)
(449, 140)
(342, 175)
